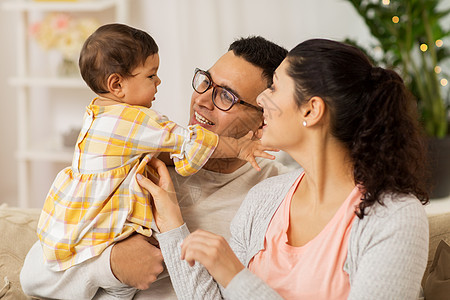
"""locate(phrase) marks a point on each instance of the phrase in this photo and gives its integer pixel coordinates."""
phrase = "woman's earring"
(304, 123)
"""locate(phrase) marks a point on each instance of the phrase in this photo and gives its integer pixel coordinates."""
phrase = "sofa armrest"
(439, 230)
(17, 235)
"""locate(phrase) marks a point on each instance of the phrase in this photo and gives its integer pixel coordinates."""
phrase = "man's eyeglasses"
(222, 98)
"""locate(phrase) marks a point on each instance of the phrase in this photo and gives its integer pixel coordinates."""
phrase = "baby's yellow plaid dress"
(97, 200)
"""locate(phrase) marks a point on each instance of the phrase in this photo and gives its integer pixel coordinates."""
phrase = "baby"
(97, 201)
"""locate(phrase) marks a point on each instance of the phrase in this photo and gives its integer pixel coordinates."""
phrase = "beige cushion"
(17, 235)
(439, 230)
(437, 284)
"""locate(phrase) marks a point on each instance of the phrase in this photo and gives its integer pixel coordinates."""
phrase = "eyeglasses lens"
(222, 98)
(201, 82)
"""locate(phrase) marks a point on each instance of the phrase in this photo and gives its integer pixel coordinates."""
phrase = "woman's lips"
(264, 123)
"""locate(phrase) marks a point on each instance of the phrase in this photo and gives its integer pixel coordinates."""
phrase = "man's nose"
(204, 99)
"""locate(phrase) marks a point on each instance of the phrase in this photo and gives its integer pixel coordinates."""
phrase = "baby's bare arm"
(245, 148)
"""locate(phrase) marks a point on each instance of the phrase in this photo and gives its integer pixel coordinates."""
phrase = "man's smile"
(201, 119)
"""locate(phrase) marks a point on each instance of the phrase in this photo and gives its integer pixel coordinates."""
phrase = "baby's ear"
(115, 85)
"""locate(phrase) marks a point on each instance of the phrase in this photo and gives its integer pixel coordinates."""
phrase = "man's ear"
(314, 110)
(115, 85)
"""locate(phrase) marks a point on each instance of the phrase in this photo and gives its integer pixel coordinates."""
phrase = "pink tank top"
(315, 270)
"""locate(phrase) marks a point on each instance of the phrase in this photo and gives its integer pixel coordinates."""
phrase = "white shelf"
(51, 82)
(48, 151)
(62, 156)
(76, 6)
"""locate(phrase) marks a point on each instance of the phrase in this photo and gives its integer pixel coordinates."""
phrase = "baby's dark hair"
(371, 113)
(113, 48)
(261, 53)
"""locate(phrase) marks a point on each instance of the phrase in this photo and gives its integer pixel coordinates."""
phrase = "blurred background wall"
(190, 33)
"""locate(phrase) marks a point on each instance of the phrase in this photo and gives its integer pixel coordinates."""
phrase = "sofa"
(18, 234)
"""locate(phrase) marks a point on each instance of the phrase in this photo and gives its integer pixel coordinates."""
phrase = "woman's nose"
(260, 99)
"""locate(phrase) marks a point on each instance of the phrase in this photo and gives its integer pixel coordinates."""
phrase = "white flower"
(64, 33)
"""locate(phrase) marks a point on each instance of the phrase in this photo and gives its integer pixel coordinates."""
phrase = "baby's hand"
(250, 148)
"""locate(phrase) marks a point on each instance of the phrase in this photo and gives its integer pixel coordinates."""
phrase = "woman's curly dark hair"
(371, 112)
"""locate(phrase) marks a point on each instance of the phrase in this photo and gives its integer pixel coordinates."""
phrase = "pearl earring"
(304, 123)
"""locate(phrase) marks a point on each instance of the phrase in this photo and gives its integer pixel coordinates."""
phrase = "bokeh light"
(423, 47)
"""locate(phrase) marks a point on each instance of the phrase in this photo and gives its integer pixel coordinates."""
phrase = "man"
(223, 101)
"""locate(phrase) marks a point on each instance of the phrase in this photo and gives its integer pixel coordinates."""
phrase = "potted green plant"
(410, 38)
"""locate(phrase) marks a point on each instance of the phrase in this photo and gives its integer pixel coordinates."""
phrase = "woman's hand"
(214, 253)
(166, 210)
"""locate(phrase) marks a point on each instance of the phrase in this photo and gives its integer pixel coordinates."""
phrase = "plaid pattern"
(98, 201)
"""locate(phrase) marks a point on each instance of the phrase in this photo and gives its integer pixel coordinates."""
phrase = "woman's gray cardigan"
(386, 259)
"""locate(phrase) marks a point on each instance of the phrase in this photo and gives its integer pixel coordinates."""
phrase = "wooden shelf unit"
(27, 153)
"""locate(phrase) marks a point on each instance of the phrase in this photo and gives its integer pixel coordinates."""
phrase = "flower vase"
(68, 68)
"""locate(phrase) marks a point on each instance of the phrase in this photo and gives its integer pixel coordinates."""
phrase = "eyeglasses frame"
(214, 85)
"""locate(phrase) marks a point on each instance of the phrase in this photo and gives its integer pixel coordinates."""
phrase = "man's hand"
(136, 262)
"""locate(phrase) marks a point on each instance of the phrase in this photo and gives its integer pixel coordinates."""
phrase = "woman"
(351, 225)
